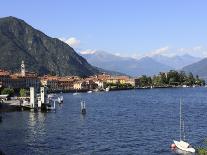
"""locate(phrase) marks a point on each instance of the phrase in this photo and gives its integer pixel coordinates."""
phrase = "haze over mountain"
(176, 61)
(130, 66)
(42, 54)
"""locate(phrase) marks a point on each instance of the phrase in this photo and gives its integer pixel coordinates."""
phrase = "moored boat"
(182, 145)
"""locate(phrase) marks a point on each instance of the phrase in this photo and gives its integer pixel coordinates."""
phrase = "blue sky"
(125, 27)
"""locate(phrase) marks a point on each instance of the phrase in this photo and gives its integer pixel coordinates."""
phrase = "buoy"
(173, 146)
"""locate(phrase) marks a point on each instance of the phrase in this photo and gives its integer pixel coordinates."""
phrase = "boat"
(96, 90)
(60, 99)
(89, 91)
(51, 96)
(108, 88)
(76, 93)
(182, 145)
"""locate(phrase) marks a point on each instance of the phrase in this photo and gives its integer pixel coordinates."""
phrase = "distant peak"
(11, 19)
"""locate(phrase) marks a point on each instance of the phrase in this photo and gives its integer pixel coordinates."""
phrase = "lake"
(142, 122)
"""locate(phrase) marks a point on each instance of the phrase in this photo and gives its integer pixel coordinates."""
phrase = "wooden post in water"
(83, 107)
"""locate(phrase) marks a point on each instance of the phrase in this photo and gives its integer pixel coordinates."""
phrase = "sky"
(132, 28)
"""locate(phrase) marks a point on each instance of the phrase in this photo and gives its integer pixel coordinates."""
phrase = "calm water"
(123, 122)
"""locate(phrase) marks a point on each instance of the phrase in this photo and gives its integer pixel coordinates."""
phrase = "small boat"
(182, 145)
(75, 93)
(96, 90)
(108, 88)
(89, 91)
(51, 96)
(60, 99)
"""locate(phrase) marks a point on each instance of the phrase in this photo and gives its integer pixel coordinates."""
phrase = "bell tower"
(23, 68)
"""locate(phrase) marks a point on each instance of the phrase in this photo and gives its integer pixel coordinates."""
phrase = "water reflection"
(36, 127)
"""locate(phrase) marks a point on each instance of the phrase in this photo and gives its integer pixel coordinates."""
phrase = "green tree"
(191, 79)
(145, 81)
(182, 77)
(163, 79)
(8, 91)
(156, 80)
(23, 92)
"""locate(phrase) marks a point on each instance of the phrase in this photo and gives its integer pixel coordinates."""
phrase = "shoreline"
(9, 105)
(119, 89)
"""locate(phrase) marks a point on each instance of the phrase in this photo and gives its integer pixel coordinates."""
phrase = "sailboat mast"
(180, 120)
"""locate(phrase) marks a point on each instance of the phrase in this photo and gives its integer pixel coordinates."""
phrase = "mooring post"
(32, 97)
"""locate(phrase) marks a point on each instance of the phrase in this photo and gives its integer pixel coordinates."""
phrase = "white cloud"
(88, 51)
(72, 41)
(159, 51)
(198, 51)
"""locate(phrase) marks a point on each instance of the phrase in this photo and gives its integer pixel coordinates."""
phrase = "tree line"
(171, 78)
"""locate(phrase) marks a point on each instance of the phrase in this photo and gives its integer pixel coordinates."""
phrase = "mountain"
(129, 66)
(198, 68)
(41, 53)
(176, 62)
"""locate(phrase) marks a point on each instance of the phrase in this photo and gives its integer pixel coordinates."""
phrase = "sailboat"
(182, 144)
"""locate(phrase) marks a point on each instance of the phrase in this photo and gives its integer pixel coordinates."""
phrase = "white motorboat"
(108, 88)
(89, 91)
(75, 93)
(51, 95)
(182, 144)
(60, 99)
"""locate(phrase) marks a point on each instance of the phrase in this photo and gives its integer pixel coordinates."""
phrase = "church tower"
(23, 68)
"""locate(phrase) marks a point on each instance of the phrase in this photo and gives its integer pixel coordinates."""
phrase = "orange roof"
(4, 72)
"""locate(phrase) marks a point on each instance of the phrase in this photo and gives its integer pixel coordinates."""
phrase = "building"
(23, 69)
(118, 80)
(78, 85)
(57, 83)
(5, 78)
(137, 82)
(50, 81)
(19, 80)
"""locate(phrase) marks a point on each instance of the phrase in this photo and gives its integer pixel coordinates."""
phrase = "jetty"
(34, 102)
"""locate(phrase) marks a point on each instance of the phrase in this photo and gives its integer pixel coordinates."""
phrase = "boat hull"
(184, 146)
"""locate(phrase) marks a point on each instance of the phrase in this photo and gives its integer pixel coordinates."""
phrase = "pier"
(34, 102)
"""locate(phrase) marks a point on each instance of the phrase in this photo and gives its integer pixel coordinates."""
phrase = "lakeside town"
(103, 77)
(101, 82)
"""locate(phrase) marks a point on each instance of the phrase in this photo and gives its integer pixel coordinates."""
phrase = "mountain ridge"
(198, 68)
(177, 61)
(41, 53)
(127, 65)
